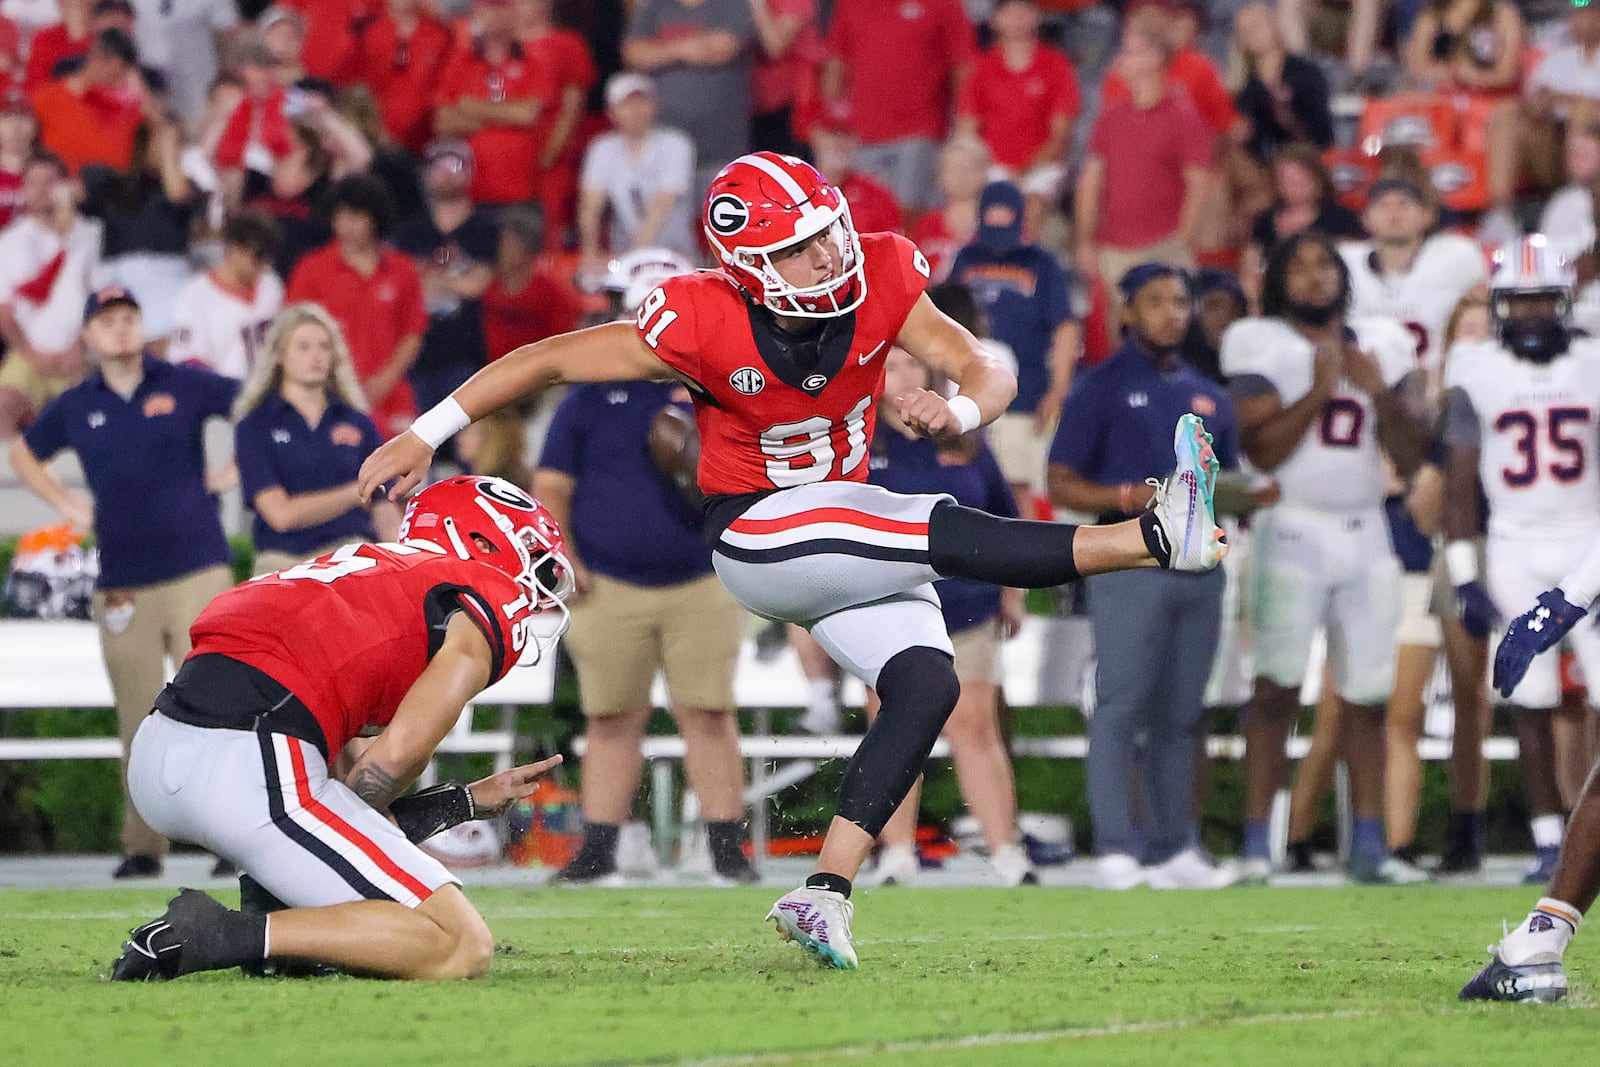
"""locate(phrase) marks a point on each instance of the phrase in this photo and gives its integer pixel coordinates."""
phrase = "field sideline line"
(1024, 1037)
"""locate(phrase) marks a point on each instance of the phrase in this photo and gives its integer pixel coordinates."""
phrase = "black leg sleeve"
(967, 543)
(919, 690)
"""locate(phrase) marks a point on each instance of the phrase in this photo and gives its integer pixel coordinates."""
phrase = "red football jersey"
(349, 633)
(768, 421)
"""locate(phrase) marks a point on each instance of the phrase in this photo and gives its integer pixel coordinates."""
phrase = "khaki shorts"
(1418, 625)
(1021, 453)
(978, 653)
(19, 375)
(622, 634)
(271, 560)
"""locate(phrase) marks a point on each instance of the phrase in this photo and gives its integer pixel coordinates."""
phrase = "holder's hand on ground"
(404, 459)
(494, 794)
(927, 413)
(1531, 633)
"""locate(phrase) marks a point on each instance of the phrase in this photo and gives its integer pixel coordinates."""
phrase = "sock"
(1545, 933)
(727, 843)
(1155, 538)
(1465, 833)
(824, 700)
(1258, 839)
(833, 883)
(967, 543)
(600, 841)
(1366, 839)
(1547, 830)
(241, 939)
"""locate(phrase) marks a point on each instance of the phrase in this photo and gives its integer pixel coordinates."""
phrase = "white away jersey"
(1537, 434)
(1337, 466)
(222, 328)
(1447, 267)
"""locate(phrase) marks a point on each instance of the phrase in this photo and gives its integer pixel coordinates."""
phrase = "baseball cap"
(1000, 208)
(1395, 183)
(276, 14)
(109, 297)
(622, 86)
(1142, 274)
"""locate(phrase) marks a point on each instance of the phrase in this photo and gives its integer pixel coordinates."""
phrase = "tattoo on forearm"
(374, 785)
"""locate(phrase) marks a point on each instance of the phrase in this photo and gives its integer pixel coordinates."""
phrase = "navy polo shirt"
(1117, 423)
(628, 522)
(903, 465)
(275, 447)
(144, 459)
(1025, 295)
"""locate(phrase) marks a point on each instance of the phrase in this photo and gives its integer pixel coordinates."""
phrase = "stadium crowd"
(338, 210)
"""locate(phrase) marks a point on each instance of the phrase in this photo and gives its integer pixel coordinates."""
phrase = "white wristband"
(965, 409)
(1461, 560)
(441, 422)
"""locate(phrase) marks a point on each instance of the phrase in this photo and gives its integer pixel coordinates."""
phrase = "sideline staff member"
(137, 425)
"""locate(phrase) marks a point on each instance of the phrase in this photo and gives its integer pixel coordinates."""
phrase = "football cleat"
(1544, 865)
(1183, 503)
(1544, 982)
(819, 921)
(187, 938)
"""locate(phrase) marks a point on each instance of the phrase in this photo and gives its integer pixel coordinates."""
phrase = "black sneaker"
(1544, 865)
(589, 868)
(191, 936)
(1298, 858)
(738, 870)
(138, 866)
(1544, 983)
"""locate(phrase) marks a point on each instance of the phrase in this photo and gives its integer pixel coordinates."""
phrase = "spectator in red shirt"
(524, 303)
(17, 132)
(899, 65)
(833, 148)
(401, 56)
(1021, 100)
(1188, 67)
(791, 52)
(564, 54)
(941, 233)
(375, 294)
(91, 116)
(492, 97)
(333, 30)
(69, 37)
(1145, 179)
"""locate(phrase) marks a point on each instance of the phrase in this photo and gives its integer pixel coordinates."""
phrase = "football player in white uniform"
(1405, 273)
(221, 315)
(1317, 398)
(1544, 521)
(1520, 419)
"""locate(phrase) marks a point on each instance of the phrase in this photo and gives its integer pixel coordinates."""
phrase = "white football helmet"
(633, 275)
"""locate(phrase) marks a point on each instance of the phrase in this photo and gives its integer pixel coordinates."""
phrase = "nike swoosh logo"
(866, 357)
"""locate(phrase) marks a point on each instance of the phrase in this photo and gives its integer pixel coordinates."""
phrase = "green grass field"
(948, 976)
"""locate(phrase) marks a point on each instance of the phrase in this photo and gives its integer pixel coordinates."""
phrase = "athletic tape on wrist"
(441, 422)
(1461, 560)
(965, 409)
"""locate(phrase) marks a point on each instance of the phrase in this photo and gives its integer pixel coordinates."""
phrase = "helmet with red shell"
(491, 521)
(763, 203)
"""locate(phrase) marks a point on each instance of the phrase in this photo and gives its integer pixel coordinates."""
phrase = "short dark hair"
(43, 157)
(526, 223)
(255, 231)
(1275, 279)
(118, 45)
(365, 195)
(956, 300)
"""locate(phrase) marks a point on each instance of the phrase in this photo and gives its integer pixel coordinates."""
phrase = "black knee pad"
(919, 689)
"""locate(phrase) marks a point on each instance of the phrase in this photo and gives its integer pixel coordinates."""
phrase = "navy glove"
(1531, 633)
(1478, 613)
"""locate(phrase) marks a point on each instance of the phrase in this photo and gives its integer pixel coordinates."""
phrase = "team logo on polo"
(727, 215)
(747, 380)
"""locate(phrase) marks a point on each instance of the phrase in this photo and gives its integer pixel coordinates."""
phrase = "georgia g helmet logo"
(727, 215)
